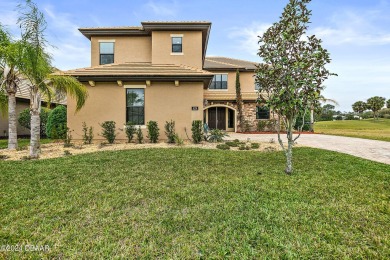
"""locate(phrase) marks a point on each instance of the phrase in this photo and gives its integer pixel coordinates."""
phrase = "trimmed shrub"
(130, 131)
(140, 135)
(108, 131)
(232, 144)
(170, 131)
(223, 147)
(153, 131)
(197, 131)
(87, 134)
(255, 145)
(24, 119)
(261, 125)
(56, 123)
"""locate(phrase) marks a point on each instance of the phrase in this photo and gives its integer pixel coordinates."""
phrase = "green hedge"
(56, 123)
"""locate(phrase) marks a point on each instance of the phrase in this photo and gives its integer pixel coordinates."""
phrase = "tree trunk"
(12, 128)
(289, 164)
(288, 152)
(35, 110)
(311, 120)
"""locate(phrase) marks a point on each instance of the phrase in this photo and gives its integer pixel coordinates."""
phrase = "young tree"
(293, 71)
(35, 64)
(375, 104)
(239, 100)
(359, 107)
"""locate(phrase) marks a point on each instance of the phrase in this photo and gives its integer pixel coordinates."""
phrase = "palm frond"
(71, 86)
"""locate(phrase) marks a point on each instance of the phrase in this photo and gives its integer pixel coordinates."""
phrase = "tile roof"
(138, 69)
(228, 63)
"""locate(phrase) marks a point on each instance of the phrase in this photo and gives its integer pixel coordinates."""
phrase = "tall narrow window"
(219, 82)
(177, 46)
(262, 112)
(106, 53)
(135, 106)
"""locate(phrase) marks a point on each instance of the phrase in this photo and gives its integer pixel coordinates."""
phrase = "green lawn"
(195, 203)
(22, 142)
(368, 129)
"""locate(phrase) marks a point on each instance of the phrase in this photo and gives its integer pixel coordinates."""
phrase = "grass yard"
(197, 203)
(368, 129)
(22, 143)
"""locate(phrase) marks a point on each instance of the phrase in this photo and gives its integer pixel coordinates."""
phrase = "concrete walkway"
(378, 151)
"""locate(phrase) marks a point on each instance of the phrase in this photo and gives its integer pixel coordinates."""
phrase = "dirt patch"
(55, 150)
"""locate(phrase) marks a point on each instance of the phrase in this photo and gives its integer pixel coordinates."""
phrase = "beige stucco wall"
(4, 120)
(191, 46)
(247, 82)
(163, 102)
(126, 49)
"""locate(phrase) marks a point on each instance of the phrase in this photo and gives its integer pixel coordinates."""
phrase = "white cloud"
(71, 49)
(356, 28)
(163, 8)
(248, 37)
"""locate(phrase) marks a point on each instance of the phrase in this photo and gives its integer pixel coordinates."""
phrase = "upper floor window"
(177, 44)
(219, 82)
(106, 52)
(262, 112)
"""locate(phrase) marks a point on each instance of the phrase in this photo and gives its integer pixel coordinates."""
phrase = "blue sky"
(356, 33)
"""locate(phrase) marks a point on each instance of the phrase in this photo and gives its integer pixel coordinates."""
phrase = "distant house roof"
(149, 26)
(23, 92)
(140, 71)
(225, 63)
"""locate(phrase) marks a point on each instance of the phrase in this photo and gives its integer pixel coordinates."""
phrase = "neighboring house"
(23, 102)
(159, 72)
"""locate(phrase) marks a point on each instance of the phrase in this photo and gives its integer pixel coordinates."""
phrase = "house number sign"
(195, 108)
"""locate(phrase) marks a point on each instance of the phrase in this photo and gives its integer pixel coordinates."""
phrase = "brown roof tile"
(228, 63)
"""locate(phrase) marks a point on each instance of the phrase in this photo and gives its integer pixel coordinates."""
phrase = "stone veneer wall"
(249, 110)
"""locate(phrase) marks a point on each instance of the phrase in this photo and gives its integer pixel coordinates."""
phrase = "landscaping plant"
(87, 134)
(109, 131)
(130, 131)
(170, 131)
(197, 131)
(293, 70)
(153, 131)
(68, 138)
(216, 136)
(239, 100)
(56, 123)
(140, 135)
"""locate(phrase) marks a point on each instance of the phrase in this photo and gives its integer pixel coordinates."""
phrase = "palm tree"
(35, 64)
(321, 99)
(9, 81)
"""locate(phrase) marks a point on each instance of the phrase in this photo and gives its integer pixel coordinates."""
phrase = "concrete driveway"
(378, 151)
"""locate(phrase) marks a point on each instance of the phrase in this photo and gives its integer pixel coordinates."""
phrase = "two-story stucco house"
(159, 71)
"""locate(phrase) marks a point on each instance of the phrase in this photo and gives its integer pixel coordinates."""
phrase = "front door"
(217, 118)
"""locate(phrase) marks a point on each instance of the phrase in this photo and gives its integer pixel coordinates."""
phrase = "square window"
(219, 82)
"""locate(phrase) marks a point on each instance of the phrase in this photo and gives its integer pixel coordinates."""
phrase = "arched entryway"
(220, 117)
